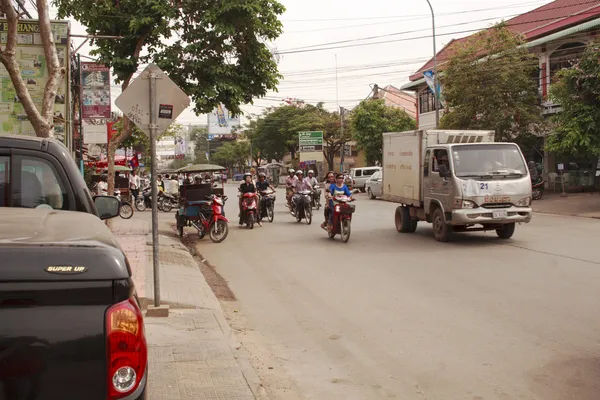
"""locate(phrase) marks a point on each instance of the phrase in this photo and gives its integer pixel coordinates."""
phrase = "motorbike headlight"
(524, 202)
(468, 204)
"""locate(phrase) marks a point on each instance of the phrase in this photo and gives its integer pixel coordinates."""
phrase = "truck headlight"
(468, 204)
(524, 202)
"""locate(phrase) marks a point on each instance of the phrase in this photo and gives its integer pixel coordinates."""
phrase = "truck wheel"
(506, 231)
(441, 230)
(403, 220)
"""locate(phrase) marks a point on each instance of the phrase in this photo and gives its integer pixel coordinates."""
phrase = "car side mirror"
(107, 206)
(444, 171)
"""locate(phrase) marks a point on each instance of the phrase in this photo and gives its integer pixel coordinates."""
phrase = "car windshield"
(490, 159)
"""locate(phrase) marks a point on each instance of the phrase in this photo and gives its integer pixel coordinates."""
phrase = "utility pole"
(79, 80)
(375, 91)
(342, 149)
(153, 125)
(435, 75)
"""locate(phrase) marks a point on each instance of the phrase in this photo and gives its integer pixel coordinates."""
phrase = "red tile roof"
(542, 21)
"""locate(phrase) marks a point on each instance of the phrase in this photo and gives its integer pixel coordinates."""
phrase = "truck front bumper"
(489, 216)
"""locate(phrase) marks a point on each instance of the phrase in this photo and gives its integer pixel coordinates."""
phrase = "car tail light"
(127, 351)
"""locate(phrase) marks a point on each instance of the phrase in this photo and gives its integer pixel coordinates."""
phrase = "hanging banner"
(95, 90)
(429, 79)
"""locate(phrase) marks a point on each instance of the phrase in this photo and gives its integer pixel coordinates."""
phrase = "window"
(426, 102)
(376, 176)
(357, 172)
(565, 57)
(497, 158)
(33, 183)
(426, 166)
(369, 172)
(440, 156)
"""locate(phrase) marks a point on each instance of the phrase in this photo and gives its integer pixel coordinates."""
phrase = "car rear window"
(33, 183)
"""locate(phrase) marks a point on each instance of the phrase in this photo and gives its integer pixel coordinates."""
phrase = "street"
(392, 315)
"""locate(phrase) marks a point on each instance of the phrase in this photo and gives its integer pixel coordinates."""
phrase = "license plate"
(499, 214)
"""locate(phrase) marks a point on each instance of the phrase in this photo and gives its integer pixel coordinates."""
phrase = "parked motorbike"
(144, 200)
(167, 202)
(211, 220)
(316, 197)
(537, 188)
(302, 208)
(342, 218)
(125, 208)
(267, 205)
(249, 214)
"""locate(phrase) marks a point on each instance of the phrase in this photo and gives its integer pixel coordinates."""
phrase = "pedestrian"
(134, 185)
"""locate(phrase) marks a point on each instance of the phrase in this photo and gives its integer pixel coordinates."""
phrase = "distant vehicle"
(360, 176)
(374, 185)
(458, 180)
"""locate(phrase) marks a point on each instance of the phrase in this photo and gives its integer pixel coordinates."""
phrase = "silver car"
(374, 185)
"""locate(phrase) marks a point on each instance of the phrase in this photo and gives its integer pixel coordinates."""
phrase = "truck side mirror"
(443, 170)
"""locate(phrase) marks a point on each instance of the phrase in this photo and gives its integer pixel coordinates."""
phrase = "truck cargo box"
(402, 167)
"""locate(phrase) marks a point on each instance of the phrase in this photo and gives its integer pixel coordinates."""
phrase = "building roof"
(399, 98)
(544, 20)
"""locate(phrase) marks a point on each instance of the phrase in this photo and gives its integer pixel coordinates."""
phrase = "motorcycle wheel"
(201, 233)
(331, 233)
(125, 211)
(251, 221)
(270, 213)
(308, 214)
(219, 231)
(297, 215)
(140, 205)
(345, 230)
(180, 224)
(166, 205)
(318, 205)
(537, 194)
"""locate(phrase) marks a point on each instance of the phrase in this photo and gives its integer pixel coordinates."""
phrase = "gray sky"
(310, 75)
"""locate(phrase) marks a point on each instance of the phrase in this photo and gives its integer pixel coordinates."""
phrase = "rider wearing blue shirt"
(337, 189)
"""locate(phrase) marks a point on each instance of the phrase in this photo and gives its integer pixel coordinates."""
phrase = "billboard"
(311, 146)
(221, 122)
(165, 147)
(32, 61)
(95, 90)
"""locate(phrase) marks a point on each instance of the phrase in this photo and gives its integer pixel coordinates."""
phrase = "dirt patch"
(217, 283)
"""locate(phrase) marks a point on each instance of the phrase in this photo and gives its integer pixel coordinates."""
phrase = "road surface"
(400, 316)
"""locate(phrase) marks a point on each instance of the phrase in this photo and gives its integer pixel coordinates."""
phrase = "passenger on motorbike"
(338, 189)
(299, 186)
(290, 181)
(329, 180)
(246, 187)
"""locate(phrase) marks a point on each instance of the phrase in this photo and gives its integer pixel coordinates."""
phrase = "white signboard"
(94, 134)
(135, 100)
(221, 122)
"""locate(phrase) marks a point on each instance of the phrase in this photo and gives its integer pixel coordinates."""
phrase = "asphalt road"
(392, 315)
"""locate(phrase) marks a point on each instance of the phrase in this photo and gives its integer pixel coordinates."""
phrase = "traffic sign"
(311, 145)
(135, 104)
(211, 137)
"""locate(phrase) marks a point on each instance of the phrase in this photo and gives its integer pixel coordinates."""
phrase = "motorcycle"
(537, 188)
(125, 208)
(167, 202)
(211, 220)
(249, 215)
(316, 198)
(302, 207)
(144, 200)
(342, 218)
(267, 205)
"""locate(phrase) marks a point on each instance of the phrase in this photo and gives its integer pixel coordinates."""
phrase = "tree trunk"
(42, 122)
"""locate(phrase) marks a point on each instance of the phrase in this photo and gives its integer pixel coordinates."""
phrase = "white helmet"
(299, 172)
(291, 171)
(310, 171)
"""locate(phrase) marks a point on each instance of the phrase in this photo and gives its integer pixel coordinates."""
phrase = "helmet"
(299, 172)
(247, 174)
(291, 171)
(262, 174)
(310, 171)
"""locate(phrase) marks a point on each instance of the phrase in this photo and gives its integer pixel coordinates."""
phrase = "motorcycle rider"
(310, 179)
(533, 171)
(329, 180)
(338, 189)
(290, 181)
(299, 186)
(246, 187)
(262, 185)
(102, 185)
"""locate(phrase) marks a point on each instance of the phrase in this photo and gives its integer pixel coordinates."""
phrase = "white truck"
(458, 180)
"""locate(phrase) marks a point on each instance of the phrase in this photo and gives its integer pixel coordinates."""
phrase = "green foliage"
(577, 90)
(500, 92)
(201, 146)
(370, 119)
(176, 164)
(232, 155)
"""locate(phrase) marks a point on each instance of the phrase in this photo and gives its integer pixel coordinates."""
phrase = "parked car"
(361, 175)
(374, 185)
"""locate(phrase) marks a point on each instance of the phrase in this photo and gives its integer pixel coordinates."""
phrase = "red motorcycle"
(537, 188)
(342, 218)
(249, 210)
(206, 217)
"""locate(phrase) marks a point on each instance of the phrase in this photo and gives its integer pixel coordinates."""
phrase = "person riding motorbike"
(290, 181)
(338, 189)
(533, 171)
(310, 179)
(299, 186)
(246, 187)
(262, 185)
(329, 180)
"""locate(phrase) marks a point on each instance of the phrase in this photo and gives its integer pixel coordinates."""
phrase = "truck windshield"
(490, 159)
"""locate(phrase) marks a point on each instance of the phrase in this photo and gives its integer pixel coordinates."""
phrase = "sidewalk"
(192, 352)
(574, 204)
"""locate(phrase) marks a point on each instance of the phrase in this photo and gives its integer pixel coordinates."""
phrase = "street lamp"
(435, 75)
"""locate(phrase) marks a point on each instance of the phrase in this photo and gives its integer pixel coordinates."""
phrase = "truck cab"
(459, 181)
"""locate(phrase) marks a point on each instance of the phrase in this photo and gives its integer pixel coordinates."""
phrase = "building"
(395, 97)
(558, 33)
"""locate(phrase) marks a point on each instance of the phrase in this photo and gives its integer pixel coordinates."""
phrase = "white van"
(360, 176)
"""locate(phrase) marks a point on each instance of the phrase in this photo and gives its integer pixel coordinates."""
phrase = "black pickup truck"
(71, 326)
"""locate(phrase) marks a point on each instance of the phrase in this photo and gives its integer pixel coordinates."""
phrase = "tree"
(577, 90)
(199, 136)
(232, 155)
(489, 84)
(41, 120)
(219, 55)
(370, 119)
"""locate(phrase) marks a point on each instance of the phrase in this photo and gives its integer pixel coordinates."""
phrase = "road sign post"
(153, 118)
(311, 146)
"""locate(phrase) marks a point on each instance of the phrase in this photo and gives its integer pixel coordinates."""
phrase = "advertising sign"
(32, 61)
(221, 122)
(94, 133)
(311, 146)
(95, 90)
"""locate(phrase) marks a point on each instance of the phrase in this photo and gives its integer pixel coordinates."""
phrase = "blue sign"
(211, 137)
